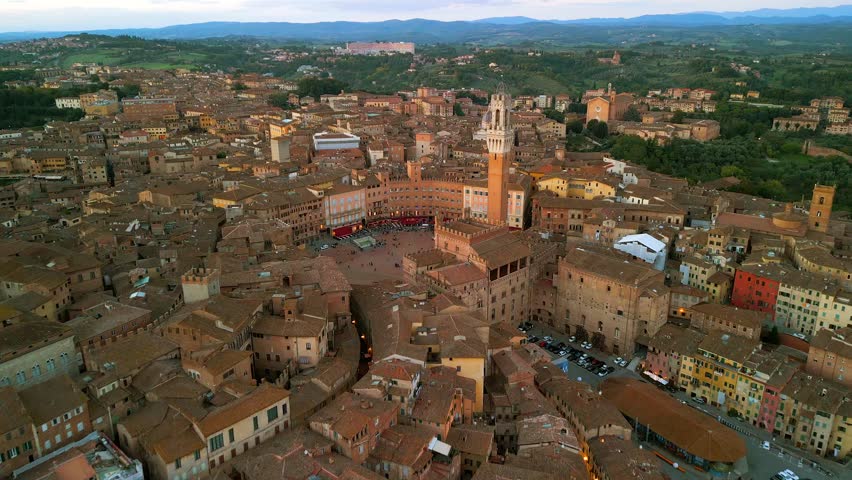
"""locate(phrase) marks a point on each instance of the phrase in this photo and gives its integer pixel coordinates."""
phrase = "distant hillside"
(433, 31)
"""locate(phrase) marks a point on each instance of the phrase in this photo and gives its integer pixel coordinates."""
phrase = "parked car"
(698, 400)
(324, 247)
(765, 445)
(532, 339)
(572, 339)
(800, 336)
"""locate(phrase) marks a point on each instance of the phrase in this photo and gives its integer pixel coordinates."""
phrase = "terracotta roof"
(349, 414)
(52, 398)
(835, 341)
(493, 471)
(689, 429)
(404, 445)
(263, 397)
(472, 439)
(672, 338)
(553, 459)
(14, 413)
(502, 249)
(622, 459)
(740, 316)
(731, 347)
(760, 224)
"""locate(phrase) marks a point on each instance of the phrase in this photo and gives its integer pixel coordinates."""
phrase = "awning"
(347, 230)
(415, 220)
(438, 446)
(656, 378)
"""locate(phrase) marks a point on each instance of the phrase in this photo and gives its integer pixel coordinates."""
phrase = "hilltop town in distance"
(273, 259)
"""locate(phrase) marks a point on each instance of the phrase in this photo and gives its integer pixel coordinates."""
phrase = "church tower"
(500, 138)
(820, 211)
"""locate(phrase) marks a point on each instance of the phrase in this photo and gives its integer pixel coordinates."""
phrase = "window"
(5, 381)
(283, 409)
(255, 422)
(217, 442)
(36, 371)
(51, 364)
(198, 454)
(13, 452)
(21, 377)
(230, 435)
(177, 464)
(271, 414)
(308, 346)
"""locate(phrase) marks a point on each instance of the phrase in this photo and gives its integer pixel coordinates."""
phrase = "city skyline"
(46, 15)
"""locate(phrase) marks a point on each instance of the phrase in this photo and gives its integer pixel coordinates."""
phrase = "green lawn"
(106, 57)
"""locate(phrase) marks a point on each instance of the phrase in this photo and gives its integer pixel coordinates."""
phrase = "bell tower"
(820, 211)
(500, 138)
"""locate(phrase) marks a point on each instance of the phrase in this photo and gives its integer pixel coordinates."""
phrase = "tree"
(732, 171)
(598, 129)
(239, 86)
(127, 91)
(678, 116)
(475, 99)
(631, 148)
(773, 336)
(575, 126)
(632, 114)
(554, 115)
(315, 87)
(580, 333)
(457, 110)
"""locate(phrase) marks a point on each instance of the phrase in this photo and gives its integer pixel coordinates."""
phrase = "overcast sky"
(27, 15)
